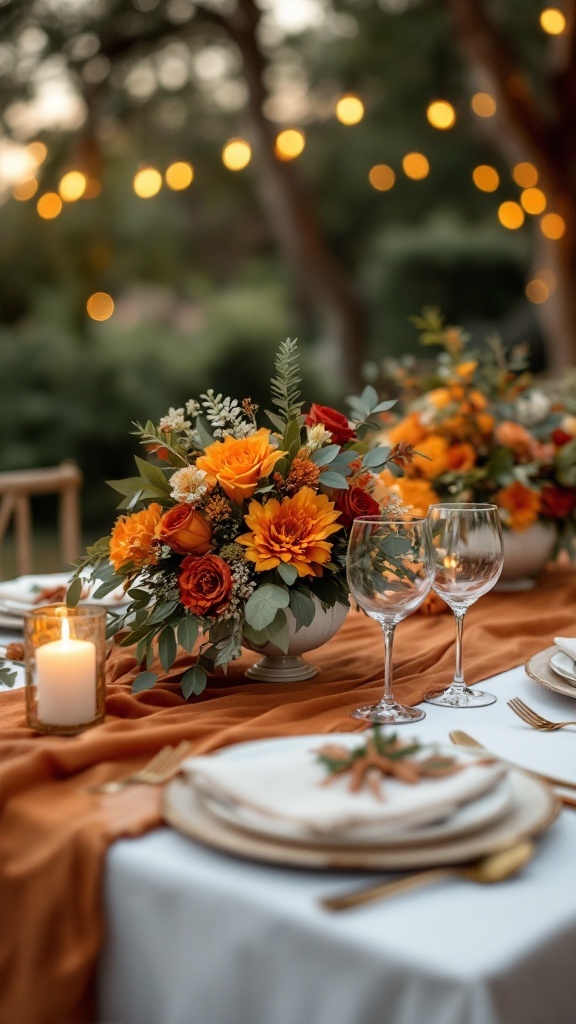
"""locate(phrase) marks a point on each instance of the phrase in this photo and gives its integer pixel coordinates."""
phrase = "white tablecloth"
(197, 937)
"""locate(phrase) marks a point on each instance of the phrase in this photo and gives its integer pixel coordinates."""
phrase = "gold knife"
(462, 739)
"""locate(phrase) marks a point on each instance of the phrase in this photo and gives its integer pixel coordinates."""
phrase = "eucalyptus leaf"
(194, 681)
(152, 475)
(335, 481)
(73, 593)
(277, 631)
(375, 458)
(167, 648)
(263, 603)
(302, 607)
(144, 681)
(188, 629)
(323, 456)
(288, 572)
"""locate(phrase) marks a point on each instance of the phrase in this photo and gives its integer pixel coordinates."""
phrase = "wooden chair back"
(17, 488)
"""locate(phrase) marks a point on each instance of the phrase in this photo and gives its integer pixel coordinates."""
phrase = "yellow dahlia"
(292, 531)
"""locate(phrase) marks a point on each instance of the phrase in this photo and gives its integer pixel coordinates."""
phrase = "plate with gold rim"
(533, 808)
(540, 669)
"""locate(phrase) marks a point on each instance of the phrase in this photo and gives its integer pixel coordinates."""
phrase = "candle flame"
(65, 629)
(450, 562)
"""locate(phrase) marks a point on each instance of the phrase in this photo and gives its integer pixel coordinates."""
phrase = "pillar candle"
(66, 680)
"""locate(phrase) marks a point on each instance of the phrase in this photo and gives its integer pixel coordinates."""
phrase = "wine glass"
(390, 567)
(467, 538)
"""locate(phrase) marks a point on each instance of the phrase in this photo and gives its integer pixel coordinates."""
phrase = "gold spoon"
(494, 867)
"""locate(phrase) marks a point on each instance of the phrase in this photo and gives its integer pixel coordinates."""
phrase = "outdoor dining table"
(158, 928)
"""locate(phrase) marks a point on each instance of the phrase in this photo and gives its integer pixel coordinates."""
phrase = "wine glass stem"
(459, 683)
(388, 631)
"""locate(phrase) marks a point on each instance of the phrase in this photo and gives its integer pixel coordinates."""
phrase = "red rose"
(333, 420)
(185, 530)
(557, 502)
(354, 503)
(560, 437)
(205, 583)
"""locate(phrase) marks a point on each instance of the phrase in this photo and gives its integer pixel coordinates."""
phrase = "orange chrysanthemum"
(293, 531)
(519, 505)
(133, 539)
(237, 464)
(417, 495)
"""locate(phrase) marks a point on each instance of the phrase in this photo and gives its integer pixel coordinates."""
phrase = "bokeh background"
(184, 184)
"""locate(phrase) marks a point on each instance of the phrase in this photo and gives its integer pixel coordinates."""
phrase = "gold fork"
(160, 769)
(533, 718)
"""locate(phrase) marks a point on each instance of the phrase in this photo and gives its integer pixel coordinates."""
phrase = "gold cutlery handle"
(382, 890)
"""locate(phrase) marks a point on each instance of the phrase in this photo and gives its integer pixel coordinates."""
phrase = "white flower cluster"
(242, 587)
(188, 485)
(532, 407)
(226, 417)
(317, 436)
(175, 421)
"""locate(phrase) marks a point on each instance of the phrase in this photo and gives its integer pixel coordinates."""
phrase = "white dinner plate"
(564, 666)
(539, 668)
(24, 593)
(473, 815)
(533, 808)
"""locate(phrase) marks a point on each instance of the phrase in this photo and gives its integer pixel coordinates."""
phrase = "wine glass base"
(456, 697)
(388, 714)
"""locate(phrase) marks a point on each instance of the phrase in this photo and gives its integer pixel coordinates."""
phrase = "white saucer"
(564, 666)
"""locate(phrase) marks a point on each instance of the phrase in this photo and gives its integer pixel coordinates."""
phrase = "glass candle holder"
(65, 652)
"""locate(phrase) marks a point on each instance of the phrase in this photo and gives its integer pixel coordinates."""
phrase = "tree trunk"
(292, 217)
(543, 133)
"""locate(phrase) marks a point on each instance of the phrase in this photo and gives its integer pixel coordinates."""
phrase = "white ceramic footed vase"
(277, 667)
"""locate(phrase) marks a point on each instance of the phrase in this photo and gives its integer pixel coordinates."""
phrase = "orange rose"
(461, 457)
(238, 464)
(133, 538)
(409, 429)
(515, 437)
(418, 495)
(435, 447)
(184, 530)
(205, 584)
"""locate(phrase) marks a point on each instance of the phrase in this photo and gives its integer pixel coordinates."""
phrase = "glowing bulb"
(349, 109)
(533, 200)
(486, 178)
(511, 215)
(289, 144)
(49, 206)
(236, 154)
(179, 175)
(100, 306)
(381, 177)
(552, 226)
(415, 166)
(147, 182)
(483, 104)
(552, 21)
(441, 114)
(25, 189)
(525, 175)
(537, 291)
(72, 186)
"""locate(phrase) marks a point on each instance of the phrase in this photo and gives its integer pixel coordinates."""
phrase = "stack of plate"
(553, 669)
(219, 801)
(25, 593)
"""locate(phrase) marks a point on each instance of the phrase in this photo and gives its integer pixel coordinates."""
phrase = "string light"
(72, 186)
(25, 189)
(552, 21)
(511, 215)
(415, 166)
(100, 306)
(147, 182)
(236, 154)
(486, 178)
(552, 226)
(349, 109)
(525, 174)
(289, 144)
(179, 175)
(537, 291)
(533, 200)
(483, 104)
(37, 152)
(381, 177)
(441, 114)
(49, 205)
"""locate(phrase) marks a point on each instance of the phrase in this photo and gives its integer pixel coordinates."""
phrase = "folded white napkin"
(285, 783)
(567, 645)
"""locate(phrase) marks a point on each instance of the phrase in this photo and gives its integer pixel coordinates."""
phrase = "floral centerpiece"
(487, 433)
(228, 525)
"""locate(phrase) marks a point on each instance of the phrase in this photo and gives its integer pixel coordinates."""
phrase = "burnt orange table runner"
(54, 834)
